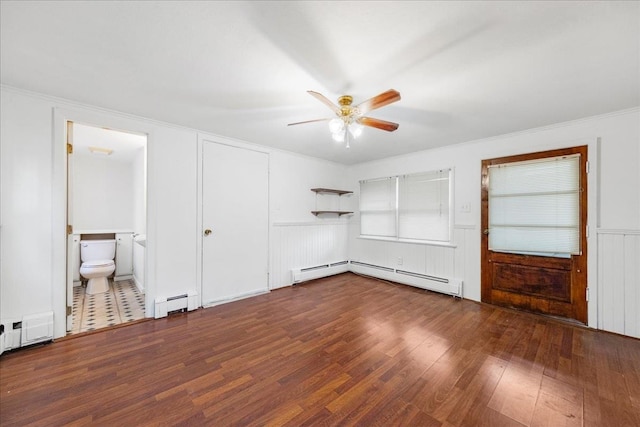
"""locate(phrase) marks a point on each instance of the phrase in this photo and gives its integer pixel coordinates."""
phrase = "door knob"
(207, 232)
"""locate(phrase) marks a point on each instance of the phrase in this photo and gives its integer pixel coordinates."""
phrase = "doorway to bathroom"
(106, 231)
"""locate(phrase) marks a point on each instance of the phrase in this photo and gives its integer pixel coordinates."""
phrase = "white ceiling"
(466, 70)
(124, 145)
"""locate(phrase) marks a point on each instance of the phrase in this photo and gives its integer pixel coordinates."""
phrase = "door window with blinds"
(414, 207)
(534, 207)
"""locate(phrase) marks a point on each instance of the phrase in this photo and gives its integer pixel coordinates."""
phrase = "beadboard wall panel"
(433, 260)
(301, 245)
(619, 281)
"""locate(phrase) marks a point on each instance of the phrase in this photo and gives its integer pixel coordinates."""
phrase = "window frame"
(396, 238)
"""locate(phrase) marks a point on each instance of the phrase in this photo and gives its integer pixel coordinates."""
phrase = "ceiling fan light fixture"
(350, 120)
(338, 136)
(355, 129)
(336, 125)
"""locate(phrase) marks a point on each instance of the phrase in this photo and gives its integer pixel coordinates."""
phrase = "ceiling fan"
(350, 119)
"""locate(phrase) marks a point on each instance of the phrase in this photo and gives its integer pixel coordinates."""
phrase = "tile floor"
(120, 304)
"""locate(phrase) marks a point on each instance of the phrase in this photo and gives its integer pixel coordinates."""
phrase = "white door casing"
(70, 236)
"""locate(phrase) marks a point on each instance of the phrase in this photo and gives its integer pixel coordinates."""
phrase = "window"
(378, 207)
(412, 207)
(534, 206)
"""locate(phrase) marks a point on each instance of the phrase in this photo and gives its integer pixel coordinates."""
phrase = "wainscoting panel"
(619, 281)
(302, 245)
(432, 260)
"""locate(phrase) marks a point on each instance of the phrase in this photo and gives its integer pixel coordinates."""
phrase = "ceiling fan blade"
(308, 121)
(377, 123)
(320, 97)
(378, 101)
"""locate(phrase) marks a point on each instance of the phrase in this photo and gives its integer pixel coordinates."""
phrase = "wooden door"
(235, 212)
(550, 285)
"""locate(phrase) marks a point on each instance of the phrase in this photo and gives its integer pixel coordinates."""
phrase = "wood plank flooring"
(345, 350)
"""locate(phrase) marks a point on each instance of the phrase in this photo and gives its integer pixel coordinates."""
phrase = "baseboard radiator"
(309, 273)
(26, 331)
(445, 285)
(177, 303)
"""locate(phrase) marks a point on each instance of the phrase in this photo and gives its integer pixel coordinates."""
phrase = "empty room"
(301, 213)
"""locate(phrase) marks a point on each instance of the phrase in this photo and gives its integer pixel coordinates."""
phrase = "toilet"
(97, 264)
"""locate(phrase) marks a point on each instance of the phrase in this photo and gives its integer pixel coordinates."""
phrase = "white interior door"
(235, 208)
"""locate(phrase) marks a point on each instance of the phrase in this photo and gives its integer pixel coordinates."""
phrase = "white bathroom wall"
(613, 180)
(103, 193)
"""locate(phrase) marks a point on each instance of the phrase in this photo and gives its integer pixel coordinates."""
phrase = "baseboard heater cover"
(316, 272)
(177, 303)
(445, 285)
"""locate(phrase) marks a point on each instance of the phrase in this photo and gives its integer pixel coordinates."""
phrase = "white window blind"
(534, 206)
(423, 206)
(409, 207)
(378, 207)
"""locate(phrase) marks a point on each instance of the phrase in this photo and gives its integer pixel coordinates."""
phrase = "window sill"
(415, 242)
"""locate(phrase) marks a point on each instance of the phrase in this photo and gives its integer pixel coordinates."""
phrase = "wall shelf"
(330, 191)
(340, 213)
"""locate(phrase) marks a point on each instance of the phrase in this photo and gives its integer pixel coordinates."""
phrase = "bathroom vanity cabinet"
(124, 256)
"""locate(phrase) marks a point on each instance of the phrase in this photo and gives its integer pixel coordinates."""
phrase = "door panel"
(543, 284)
(235, 210)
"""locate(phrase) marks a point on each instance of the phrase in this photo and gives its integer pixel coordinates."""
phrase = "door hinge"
(69, 148)
(69, 229)
(588, 166)
(69, 310)
(587, 294)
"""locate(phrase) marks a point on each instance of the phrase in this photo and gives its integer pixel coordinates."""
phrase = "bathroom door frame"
(60, 200)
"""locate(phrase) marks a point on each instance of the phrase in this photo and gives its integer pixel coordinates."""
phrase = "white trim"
(415, 242)
(618, 231)
(465, 226)
(307, 223)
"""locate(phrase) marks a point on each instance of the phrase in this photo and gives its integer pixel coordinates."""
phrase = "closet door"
(235, 212)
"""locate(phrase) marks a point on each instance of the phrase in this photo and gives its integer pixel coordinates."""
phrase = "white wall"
(25, 206)
(103, 193)
(619, 195)
(33, 206)
(297, 237)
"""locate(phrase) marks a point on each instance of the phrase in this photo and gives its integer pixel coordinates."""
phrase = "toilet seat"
(98, 263)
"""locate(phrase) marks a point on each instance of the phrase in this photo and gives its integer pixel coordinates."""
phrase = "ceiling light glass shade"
(338, 136)
(336, 125)
(355, 129)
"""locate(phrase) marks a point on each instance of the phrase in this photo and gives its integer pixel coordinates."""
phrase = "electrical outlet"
(399, 260)
(465, 208)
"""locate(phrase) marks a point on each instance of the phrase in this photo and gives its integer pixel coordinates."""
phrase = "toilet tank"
(93, 250)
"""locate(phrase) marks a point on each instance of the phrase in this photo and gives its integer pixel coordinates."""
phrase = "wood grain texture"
(345, 350)
(539, 284)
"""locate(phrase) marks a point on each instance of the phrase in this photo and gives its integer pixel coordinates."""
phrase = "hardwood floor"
(345, 350)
